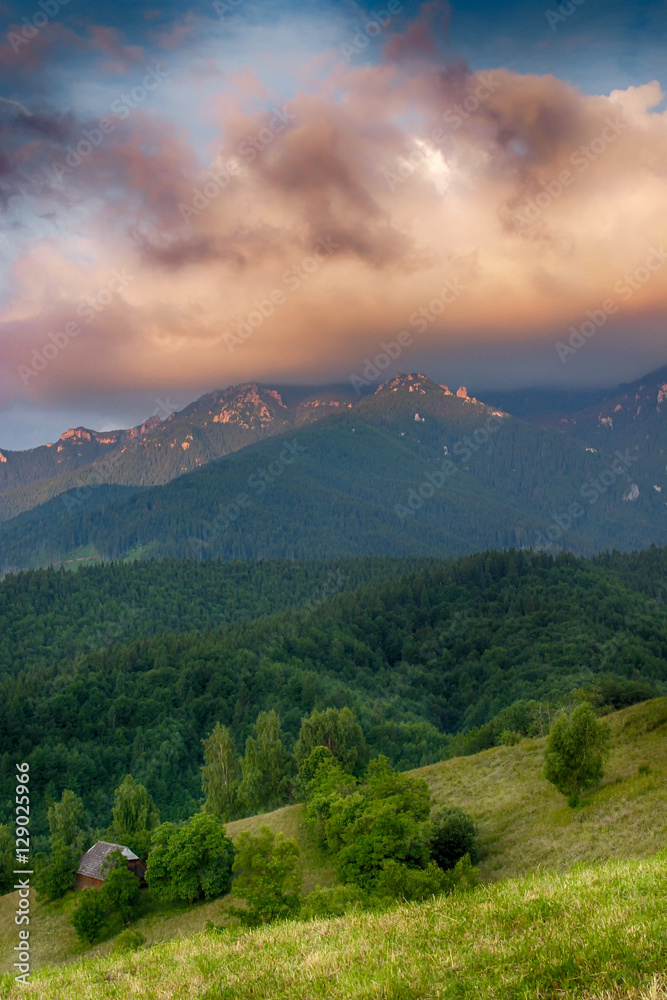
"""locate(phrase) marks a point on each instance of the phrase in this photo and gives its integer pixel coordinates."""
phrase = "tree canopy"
(576, 749)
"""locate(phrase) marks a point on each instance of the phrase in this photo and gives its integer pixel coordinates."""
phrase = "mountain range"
(413, 468)
(158, 450)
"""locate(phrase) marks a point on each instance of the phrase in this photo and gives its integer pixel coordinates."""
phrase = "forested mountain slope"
(49, 616)
(216, 424)
(436, 651)
(412, 470)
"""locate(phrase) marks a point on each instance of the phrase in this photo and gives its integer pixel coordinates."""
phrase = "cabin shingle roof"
(92, 861)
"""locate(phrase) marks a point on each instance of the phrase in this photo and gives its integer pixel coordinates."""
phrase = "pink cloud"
(408, 206)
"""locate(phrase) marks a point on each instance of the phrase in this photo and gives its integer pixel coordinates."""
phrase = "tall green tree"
(323, 782)
(338, 731)
(121, 887)
(56, 875)
(135, 816)
(221, 773)
(66, 821)
(386, 817)
(267, 766)
(267, 876)
(576, 750)
(191, 862)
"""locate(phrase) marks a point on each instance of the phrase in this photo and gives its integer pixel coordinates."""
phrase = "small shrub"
(129, 940)
(414, 884)
(510, 738)
(397, 881)
(267, 877)
(644, 769)
(90, 915)
(453, 834)
(463, 876)
(121, 887)
(332, 902)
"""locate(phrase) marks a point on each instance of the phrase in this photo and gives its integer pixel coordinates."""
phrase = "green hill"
(411, 470)
(418, 658)
(216, 424)
(524, 824)
(47, 616)
(597, 933)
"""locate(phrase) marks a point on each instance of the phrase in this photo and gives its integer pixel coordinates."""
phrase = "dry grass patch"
(525, 823)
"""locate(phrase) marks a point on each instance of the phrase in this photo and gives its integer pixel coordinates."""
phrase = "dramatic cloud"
(271, 238)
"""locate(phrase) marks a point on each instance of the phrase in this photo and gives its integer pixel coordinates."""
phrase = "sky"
(194, 196)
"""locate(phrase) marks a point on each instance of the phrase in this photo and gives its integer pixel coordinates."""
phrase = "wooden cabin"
(89, 874)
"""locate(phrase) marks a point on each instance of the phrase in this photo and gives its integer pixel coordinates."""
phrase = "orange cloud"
(536, 198)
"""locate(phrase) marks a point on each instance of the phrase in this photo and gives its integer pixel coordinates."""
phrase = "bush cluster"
(378, 831)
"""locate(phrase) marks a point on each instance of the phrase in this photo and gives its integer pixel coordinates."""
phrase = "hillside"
(524, 825)
(418, 658)
(413, 469)
(47, 616)
(216, 424)
(632, 416)
(543, 935)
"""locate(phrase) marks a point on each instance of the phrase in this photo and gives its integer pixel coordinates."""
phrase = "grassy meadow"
(529, 842)
(596, 932)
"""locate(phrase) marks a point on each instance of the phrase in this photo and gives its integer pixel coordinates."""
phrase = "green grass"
(524, 824)
(590, 933)
(53, 940)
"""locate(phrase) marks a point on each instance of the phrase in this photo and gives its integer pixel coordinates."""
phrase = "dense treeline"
(644, 571)
(50, 616)
(434, 652)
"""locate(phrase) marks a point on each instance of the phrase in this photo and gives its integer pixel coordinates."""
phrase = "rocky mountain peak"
(144, 428)
(76, 434)
(248, 406)
(413, 382)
